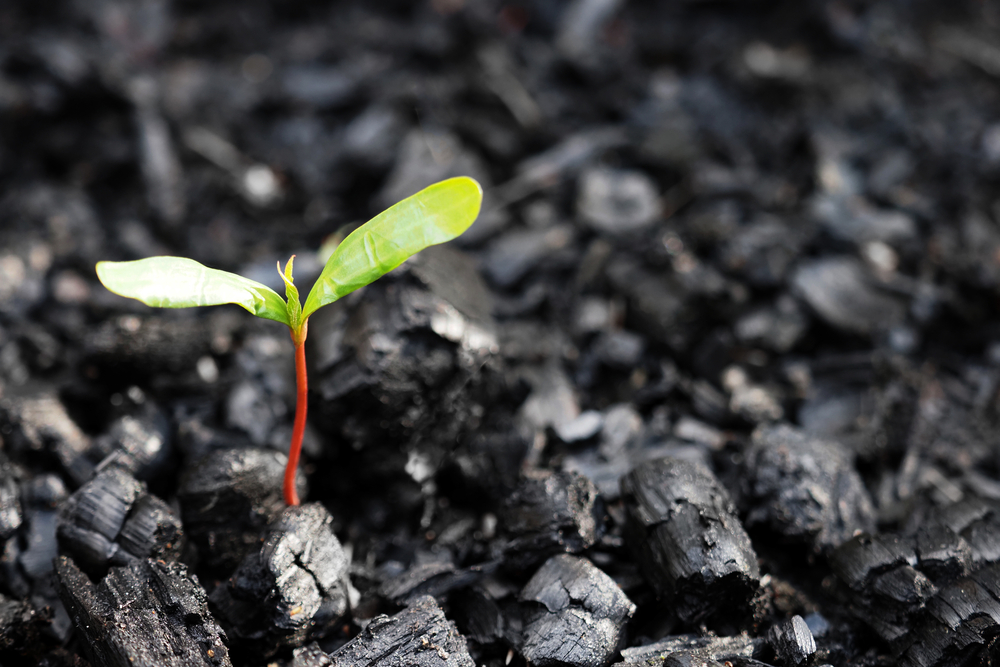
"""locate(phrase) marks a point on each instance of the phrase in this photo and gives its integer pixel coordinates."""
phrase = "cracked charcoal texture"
(227, 499)
(418, 636)
(803, 488)
(792, 641)
(148, 614)
(688, 541)
(576, 614)
(112, 520)
(292, 589)
(551, 512)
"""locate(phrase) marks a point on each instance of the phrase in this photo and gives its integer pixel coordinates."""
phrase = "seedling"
(434, 215)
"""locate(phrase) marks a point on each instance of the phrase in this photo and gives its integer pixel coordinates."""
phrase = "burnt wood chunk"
(576, 614)
(977, 521)
(792, 641)
(293, 589)
(148, 614)
(227, 499)
(550, 513)
(691, 651)
(310, 655)
(688, 541)
(11, 515)
(804, 488)
(960, 626)
(111, 520)
(418, 636)
(887, 592)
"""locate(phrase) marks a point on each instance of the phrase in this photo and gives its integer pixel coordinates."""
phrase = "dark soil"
(751, 248)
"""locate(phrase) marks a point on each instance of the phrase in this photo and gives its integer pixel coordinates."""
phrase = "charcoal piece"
(149, 614)
(960, 625)
(576, 614)
(135, 346)
(227, 499)
(21, 627)
(804, 488)
(111, 520)
(617, 201)
(290, 591)
(762, 251)
(41, 495)
(942, 554)
(478, 615)
(689, 650)
(11, 515)
(310, 655)
(143, 441)
(688, 541)
(888, 593)
(778, 327)
(37, 421)
(977, 522)
(160, 164)
(515, 254)
(846, 297)
(658, 303)
(548, 513)
(420, 636)
(436, 579)
(792, 641)
(687, 659)
(584, 427)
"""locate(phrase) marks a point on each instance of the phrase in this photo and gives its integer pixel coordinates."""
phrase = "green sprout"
(434, 215)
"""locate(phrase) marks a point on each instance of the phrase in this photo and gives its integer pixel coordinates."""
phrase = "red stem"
(301, 404)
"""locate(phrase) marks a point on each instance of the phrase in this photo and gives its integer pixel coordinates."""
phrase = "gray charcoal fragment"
(21, 626)
(617, 201)
(688, 540)
(792, 641)
(580, 27)
(35, 420)
(690, 650)
(516, 253)
(578, 616)
(804, 488)
(134, 345)
(855, 219)
(143, 440)
(228, 498)
(888, 593)
(111, 520)
(551, 512)
(584, 427)
(960, 626)
(149, 614)
(977, 522)
(418, 636)
(411, 363)
(318, 86)
(11, 515)
(310, 655)
(941, 553)
(295, 588)
(777, 327)
(846, 297)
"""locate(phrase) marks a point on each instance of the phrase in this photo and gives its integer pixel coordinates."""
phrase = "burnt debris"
(804, 489)
(112, 520)
(419, 635)
(295, 588)
(148, 613)
(227, 499)
(688, 541)
(575, 614)
(551, 512)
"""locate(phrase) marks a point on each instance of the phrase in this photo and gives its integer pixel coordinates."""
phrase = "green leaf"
(178, 282)
(434, 215)
(293, 307)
